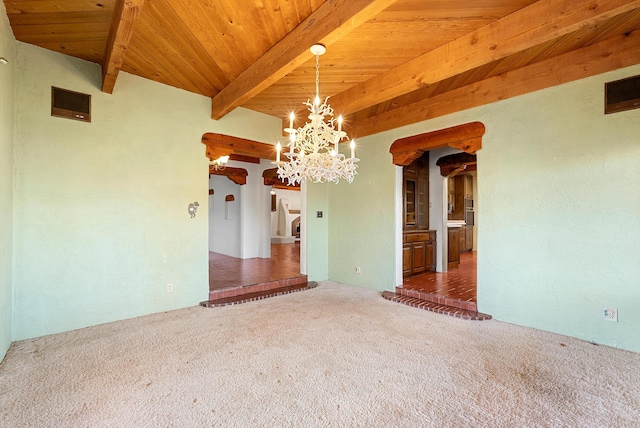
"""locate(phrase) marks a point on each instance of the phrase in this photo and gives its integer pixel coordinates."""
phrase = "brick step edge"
(259, 295)
(435, 307)
(435, 298)
(255, 288)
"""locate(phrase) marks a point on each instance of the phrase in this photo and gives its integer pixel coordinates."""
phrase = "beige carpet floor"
(334, 356)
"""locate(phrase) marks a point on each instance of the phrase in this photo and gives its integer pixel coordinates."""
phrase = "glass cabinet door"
(410, 202)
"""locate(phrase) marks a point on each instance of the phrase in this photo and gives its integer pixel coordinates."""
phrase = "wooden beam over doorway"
(237, 175)
(467, 137)
(227, 145)
(459, 162)
(270, 177)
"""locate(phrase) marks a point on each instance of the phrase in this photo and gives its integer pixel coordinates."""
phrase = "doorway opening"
(438, 187)
(247, 254)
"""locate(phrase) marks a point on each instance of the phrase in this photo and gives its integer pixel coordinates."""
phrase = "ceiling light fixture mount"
(313, 149)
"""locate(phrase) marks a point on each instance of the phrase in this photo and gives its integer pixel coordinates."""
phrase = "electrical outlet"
(169, 288)
(610, 314)
(358, 270)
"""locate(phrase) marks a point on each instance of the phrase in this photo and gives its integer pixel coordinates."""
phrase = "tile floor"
(228, 272)
(460, 284)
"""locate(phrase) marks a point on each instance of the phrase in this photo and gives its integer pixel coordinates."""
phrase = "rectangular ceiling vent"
(70, 104)
(622, 95)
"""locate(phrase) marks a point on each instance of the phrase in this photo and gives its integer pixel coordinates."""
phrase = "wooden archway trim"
(271, 178)
(467, 137)
(227, 145)
(237, 175)
(459, 162)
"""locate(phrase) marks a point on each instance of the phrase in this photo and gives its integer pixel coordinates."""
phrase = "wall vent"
(70, 104)
(622, 95)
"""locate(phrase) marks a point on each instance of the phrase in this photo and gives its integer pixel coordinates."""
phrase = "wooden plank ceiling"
(389, 62)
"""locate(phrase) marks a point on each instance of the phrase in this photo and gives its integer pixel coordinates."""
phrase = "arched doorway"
(256, 266)
(433, 232)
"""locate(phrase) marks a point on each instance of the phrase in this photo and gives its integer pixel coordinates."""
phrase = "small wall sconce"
(220, 163)
(3, 60)
(193, 209)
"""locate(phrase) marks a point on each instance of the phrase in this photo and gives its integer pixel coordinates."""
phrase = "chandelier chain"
(317, 75)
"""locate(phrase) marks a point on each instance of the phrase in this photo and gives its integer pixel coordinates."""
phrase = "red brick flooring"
(460, 283)
(254, 292)
(228, 272)
(233, 280)
(451, 293)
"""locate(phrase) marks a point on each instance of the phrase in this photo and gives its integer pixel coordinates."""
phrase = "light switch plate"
(610, 314)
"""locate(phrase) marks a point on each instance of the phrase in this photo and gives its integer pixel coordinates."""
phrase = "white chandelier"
(313, 149)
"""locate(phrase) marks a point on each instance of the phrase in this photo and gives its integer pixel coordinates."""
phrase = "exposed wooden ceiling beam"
(123, 23)
(227, 145)
(327, 24)
(531, 26)
(608, 55)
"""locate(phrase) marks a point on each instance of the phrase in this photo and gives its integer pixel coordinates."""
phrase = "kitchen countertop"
(456, 223)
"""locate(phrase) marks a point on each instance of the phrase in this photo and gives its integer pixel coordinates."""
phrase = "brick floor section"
(457, 287)
(257, 288)
(451, 293)
(258, 295)
(435, 307)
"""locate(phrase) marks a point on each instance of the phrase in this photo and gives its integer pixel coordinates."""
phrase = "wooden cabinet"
(415, 188)
(456, 198)
(453, 259)
(407, 255)
(418, 260)
(460, 191)
(419, 243)
(466, 238)
(468, 186)
(418, 252)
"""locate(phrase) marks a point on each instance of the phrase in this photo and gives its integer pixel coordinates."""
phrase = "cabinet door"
(406, 259)
(423, 204)
(468, 186)
(409, 204)
(430, 250)
(454, 247)
(458, 198)
(419, 253)
(468, 239)
(461, 237)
